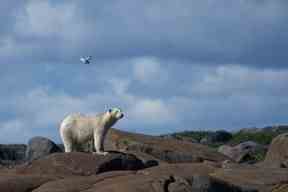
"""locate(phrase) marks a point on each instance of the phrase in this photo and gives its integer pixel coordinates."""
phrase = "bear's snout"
(121, 116)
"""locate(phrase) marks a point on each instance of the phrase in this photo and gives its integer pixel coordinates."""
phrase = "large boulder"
(39, 147)
(277, 155)
(165, 149)
(171, 151)
(243, 152)
(78, 163)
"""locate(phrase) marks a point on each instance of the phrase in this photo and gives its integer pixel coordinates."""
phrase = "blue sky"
(170, 65)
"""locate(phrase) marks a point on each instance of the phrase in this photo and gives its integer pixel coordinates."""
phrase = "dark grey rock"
(170, 156)
(61, 146)
(148, 160)
(242, 152)
(39, 147)
(178, 184)
(12, 154)
(80, 163)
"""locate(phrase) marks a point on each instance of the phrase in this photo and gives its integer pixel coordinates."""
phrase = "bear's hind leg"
(68, 144)
(68, 147)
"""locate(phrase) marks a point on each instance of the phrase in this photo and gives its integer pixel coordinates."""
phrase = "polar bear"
(77, 129)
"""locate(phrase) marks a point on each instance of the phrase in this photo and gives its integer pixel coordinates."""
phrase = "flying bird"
(86, 60)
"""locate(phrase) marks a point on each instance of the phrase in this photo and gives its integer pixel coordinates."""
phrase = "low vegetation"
(214, 139)
(195, 135)
(261, 136)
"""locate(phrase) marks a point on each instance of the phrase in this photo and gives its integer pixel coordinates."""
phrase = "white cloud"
(14, 131)
(10, 48)
(221, 97)
(148, 70)
(45, 108)
(43, 19)
(41, 110)
(57, 25)
(151, 112)
(120, 86)
(142, 110)
(241, 80)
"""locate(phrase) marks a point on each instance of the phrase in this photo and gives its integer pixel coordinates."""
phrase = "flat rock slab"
(167, 150)
(260, 179)
(21, 183)
(166, 178)
(77, 163)
(184, 177)
(79, 183)
(162, 178)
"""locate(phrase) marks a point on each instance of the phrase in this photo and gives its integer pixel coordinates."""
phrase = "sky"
(170, 65)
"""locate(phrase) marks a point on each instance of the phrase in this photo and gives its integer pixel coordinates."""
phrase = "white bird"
(86, 60)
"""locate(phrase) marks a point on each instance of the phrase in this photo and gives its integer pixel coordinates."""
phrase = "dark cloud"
(180, 64)
(8, 10)
(209, 32)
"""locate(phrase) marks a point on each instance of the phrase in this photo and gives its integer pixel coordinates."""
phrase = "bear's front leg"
(98, 143)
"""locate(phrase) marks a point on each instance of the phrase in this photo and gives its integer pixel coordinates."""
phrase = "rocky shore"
(139, 162)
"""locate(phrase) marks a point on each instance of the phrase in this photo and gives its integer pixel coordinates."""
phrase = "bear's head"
(116, 113)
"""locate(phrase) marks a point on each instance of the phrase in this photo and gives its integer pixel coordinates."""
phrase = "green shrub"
(260, 155)
(126, 141)
(196, 135)
(263, 138)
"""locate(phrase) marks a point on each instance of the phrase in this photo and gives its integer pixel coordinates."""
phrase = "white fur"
(77, 129)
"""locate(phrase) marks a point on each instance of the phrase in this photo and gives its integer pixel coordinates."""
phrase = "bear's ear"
(110, 110)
